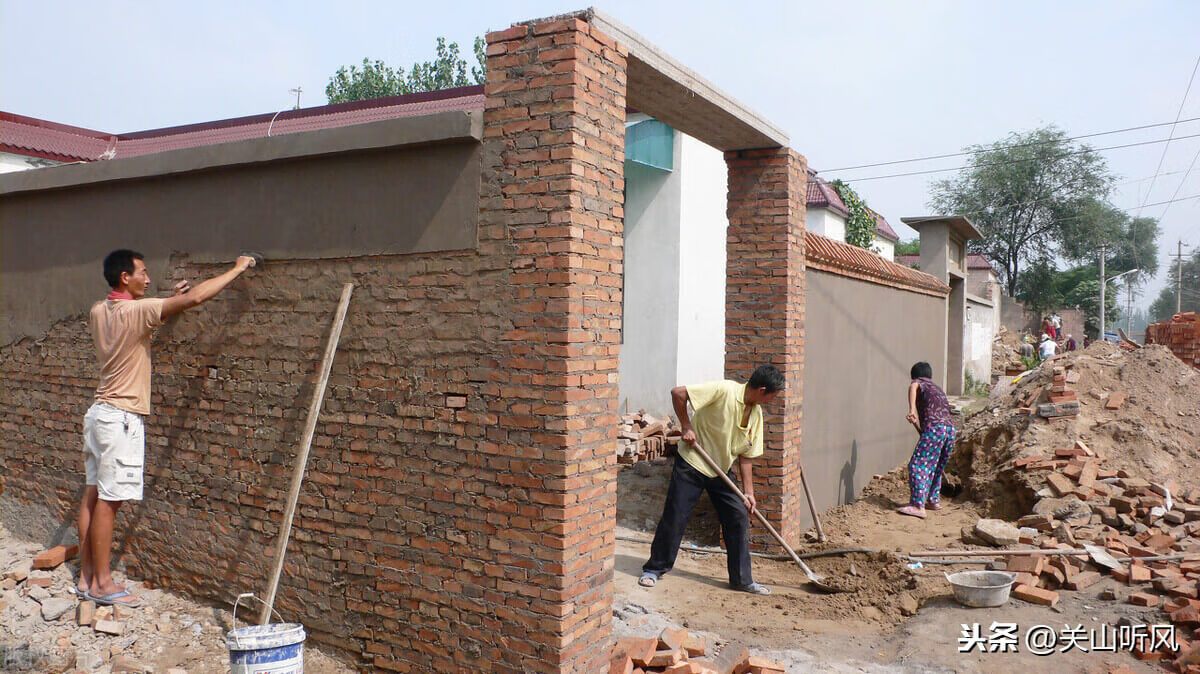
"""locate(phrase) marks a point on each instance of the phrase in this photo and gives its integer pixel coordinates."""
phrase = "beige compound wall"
(861, 339)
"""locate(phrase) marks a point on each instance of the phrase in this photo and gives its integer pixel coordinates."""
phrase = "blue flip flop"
(111, 599)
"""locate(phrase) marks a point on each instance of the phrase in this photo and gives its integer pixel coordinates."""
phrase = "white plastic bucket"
(274, 648)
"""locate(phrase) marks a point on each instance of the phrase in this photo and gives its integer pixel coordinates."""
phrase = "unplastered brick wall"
(459, 506)
(764, 312)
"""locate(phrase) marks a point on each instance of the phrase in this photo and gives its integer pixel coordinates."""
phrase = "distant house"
(827, 215)
(982, 319)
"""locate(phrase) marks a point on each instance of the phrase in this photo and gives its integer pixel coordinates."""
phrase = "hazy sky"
(850, 82)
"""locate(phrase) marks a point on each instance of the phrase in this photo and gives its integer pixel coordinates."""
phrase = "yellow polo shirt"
(719, 407)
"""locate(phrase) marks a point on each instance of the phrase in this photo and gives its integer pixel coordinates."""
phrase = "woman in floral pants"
(929, 412)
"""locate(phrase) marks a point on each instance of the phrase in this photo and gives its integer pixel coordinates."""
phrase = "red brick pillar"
(552, 200)
(764, 313)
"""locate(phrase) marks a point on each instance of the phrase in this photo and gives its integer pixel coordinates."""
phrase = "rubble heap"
(678, 652)
(1119, 473)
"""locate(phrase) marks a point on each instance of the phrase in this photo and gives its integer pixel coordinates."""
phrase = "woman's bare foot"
(912, 511)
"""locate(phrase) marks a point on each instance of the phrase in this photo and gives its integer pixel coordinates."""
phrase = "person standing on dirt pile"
(1071, 346)
(1048, 328)
(728, 421)
(114, 443)
(929, 412)
(1048, 347)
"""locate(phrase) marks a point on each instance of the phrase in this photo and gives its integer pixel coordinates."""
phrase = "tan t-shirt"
(121, 331)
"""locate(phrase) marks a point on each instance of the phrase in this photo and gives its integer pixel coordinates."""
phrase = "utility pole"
(1103, 282)
(1129, 308)
(297, 91)
(1179, 279)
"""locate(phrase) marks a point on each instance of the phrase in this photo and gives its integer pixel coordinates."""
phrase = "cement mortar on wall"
(388, 201)
(861, 340)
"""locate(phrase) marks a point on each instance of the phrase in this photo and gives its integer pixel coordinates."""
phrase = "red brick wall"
(764, 313)
(429, 536)
(554, 134)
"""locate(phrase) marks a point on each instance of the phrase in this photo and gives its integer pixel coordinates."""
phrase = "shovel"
(813, 579)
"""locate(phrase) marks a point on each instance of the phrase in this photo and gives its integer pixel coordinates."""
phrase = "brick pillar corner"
(764, 314)
(552, 201)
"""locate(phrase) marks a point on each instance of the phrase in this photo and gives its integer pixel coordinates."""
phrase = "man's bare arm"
(205, 290)
(746, 466)
(679, 400)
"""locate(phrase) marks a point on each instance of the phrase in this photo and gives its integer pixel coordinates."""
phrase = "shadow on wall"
(846, 486)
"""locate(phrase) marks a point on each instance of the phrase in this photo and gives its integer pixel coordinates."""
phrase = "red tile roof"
(977, 261)
(30, 136)
(883, 229)
(35, 137)
(822, 195)
(842, 258)
(974, 261)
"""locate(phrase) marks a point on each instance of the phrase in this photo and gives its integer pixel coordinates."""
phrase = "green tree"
(1163, 306)
(910, 247)
(377, 79)
(374, 80)
(1038, 287)
(1022, 193)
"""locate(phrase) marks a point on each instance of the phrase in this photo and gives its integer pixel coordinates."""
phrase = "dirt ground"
(167, 631)
(866, 630)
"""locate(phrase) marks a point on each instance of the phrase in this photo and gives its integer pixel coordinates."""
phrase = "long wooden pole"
(812, 577)
(310, 427)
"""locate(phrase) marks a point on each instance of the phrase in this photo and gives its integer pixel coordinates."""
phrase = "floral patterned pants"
(928, 462)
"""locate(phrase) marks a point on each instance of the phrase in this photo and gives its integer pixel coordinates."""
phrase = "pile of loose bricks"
(1181, 335)
(35, 579)
(1061, 401)
(676, 651)
(1138, 522)
(644, 437)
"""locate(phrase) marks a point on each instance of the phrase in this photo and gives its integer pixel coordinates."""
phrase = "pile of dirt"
(1006, 351)
(1152, 433)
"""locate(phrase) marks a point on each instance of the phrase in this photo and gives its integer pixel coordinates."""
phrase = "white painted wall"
(827, 223)
(702, 262)
(649, 348)
(979, 329)
(674, 314)
(10, 162)
(887, 249)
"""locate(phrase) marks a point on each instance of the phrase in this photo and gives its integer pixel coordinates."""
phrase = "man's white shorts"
(114, 451)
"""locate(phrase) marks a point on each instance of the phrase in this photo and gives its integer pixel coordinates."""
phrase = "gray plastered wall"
(861, 340)
(324, 194)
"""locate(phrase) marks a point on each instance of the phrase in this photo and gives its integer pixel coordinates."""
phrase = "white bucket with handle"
(274, 648)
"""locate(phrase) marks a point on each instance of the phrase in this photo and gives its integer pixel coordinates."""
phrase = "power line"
(1181, 182)
(1172, 134)
(1019, 161)
(1014, 145)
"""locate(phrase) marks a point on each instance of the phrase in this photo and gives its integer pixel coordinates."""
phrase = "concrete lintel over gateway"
(665, 89)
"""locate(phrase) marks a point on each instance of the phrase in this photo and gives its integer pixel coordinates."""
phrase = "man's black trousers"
(687, 483)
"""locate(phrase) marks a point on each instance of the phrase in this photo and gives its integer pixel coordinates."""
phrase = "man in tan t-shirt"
(114, 443)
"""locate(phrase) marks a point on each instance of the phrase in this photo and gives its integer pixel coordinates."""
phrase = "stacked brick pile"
(678, 652)
(1181, 335)
(644, 437)
(1061, 401)
(1134, 520)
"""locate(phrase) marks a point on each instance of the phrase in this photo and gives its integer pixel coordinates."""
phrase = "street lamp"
(1103, 287)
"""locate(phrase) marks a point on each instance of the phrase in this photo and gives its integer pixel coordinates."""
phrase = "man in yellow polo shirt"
(728, 422)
